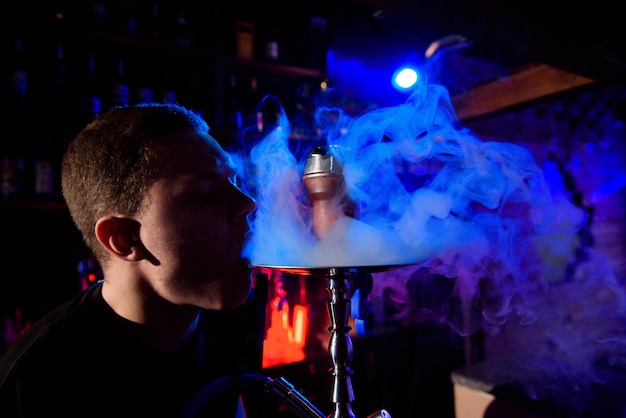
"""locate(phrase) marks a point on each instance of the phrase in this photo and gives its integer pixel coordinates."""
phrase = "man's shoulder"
(52, 334)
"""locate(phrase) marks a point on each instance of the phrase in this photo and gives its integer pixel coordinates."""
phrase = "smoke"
(479, 237)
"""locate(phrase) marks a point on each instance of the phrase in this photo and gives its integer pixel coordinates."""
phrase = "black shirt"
(83, 359)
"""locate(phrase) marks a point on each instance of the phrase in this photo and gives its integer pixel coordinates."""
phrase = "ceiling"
(515, 50)
(585, 38)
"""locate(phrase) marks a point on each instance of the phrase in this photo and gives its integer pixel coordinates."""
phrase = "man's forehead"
(193, 152)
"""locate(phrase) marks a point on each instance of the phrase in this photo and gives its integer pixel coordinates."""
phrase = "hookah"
(325, 186)
(324, 183)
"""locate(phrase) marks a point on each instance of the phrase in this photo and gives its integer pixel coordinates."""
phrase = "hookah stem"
(340, 344)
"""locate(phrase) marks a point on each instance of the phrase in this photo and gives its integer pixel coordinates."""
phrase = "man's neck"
(167, 325)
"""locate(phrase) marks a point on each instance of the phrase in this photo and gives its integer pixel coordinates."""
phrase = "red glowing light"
(286, 335)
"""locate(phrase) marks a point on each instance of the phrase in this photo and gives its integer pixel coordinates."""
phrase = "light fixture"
(447, 43)
(404, 78)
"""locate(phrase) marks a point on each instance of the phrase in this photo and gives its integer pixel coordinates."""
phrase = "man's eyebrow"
(220, 169)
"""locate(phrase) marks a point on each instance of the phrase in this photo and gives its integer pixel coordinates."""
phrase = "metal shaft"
(340, 344)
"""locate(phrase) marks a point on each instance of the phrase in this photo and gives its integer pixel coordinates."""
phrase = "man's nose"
(245, 205)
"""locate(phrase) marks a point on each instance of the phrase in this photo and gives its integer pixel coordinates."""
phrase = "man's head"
(152, 191)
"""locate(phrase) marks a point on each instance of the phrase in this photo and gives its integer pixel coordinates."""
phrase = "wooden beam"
(531, 83)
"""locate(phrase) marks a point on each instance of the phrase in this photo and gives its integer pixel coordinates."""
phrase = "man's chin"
(243, 275)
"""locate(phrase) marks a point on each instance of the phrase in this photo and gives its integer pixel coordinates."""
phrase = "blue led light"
(404, 78)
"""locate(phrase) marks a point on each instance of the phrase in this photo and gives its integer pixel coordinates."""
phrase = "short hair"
(111, 162)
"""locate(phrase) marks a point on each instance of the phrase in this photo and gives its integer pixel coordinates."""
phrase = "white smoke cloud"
(495, 233)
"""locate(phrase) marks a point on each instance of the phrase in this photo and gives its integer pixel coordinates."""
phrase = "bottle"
(244, 32)
(318, 42)
(99, 17)
(150, 25)
(18, 77)
(234, 114)
(144, 79)
(144, 94)
(54, 132)
(212, 33)
(13, 151)
(60, 77)
(89, 15)
(125, 13)
(271, 52)
(43, 166)
(168, 87)
(121, 91)
(91, 100)
(183, 31)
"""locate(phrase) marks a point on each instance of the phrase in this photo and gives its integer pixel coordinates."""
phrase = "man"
(155, 199)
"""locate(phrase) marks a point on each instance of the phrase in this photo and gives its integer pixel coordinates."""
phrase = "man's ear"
(120, 236)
